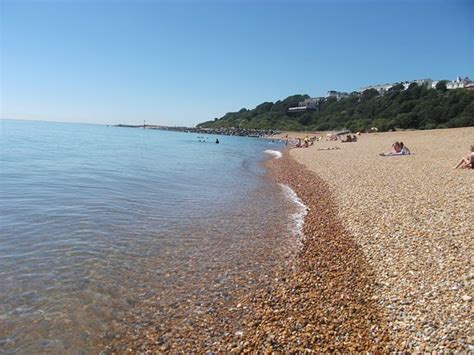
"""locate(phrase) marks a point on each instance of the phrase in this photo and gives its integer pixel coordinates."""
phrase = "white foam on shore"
(275, 153)
(302, 209)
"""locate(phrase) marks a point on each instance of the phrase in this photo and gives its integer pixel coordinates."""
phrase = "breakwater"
(229, 131)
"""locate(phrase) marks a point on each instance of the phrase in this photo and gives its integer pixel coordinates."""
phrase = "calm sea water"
(94, 219)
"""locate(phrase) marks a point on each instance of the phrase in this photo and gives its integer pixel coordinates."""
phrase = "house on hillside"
(310, 104)
(420, 82)
(337, 94)
(459, 83)
(381, 88)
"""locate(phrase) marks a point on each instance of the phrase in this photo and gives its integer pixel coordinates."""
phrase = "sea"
(96, 219)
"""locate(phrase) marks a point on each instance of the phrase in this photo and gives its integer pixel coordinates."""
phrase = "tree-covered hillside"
(414, 108)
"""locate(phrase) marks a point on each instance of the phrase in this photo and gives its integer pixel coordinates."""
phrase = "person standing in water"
(217, 141)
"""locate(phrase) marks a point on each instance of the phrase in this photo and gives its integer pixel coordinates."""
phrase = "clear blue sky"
(184, 62)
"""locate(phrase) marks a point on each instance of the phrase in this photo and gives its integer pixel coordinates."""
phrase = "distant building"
(381, 88)
(315, 102)
(298, 109)
(307, 105)
(312, 102)
(420, 82)
(337, 94)
(459, 83)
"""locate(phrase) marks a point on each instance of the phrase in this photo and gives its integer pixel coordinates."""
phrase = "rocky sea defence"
(226, 131)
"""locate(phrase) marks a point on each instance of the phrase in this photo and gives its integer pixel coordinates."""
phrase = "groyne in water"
(230, 131)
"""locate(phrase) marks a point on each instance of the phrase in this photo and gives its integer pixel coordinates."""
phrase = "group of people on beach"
(307, 141)
(301, 143)
(397, 149)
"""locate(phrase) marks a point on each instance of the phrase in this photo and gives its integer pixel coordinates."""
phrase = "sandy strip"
(412, 218)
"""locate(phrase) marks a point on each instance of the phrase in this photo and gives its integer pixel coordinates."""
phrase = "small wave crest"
(302, 209)
(275, 153)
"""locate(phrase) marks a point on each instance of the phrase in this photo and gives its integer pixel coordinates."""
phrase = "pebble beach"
(412, 218)
(319, 299)
(384, 262)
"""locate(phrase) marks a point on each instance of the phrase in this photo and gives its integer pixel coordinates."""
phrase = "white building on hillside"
(421, 82)
(311, 103)
(381, 88)
(337, 94)
(308, 104)
(459, 83)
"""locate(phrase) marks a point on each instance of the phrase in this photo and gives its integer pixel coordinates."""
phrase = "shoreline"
(361, 280)
(325, 300)
(322, 299)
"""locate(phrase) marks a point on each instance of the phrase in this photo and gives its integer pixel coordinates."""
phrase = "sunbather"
(467, 161)
(404, 149)
(397, 149)
(348, 139)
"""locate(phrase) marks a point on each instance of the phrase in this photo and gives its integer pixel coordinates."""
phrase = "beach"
(385, 262)
(411, 216)
(321, 298)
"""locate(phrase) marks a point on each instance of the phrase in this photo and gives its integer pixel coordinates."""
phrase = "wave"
(302, 209)
(275, 153)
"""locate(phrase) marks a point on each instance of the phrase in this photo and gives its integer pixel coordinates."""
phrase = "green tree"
(369, 94)
(441, 86)
(416, 107)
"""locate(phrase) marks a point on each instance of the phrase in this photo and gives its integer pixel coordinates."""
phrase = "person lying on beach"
(397, 149)
(348, 139)
(467, 162)
(333, 148)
